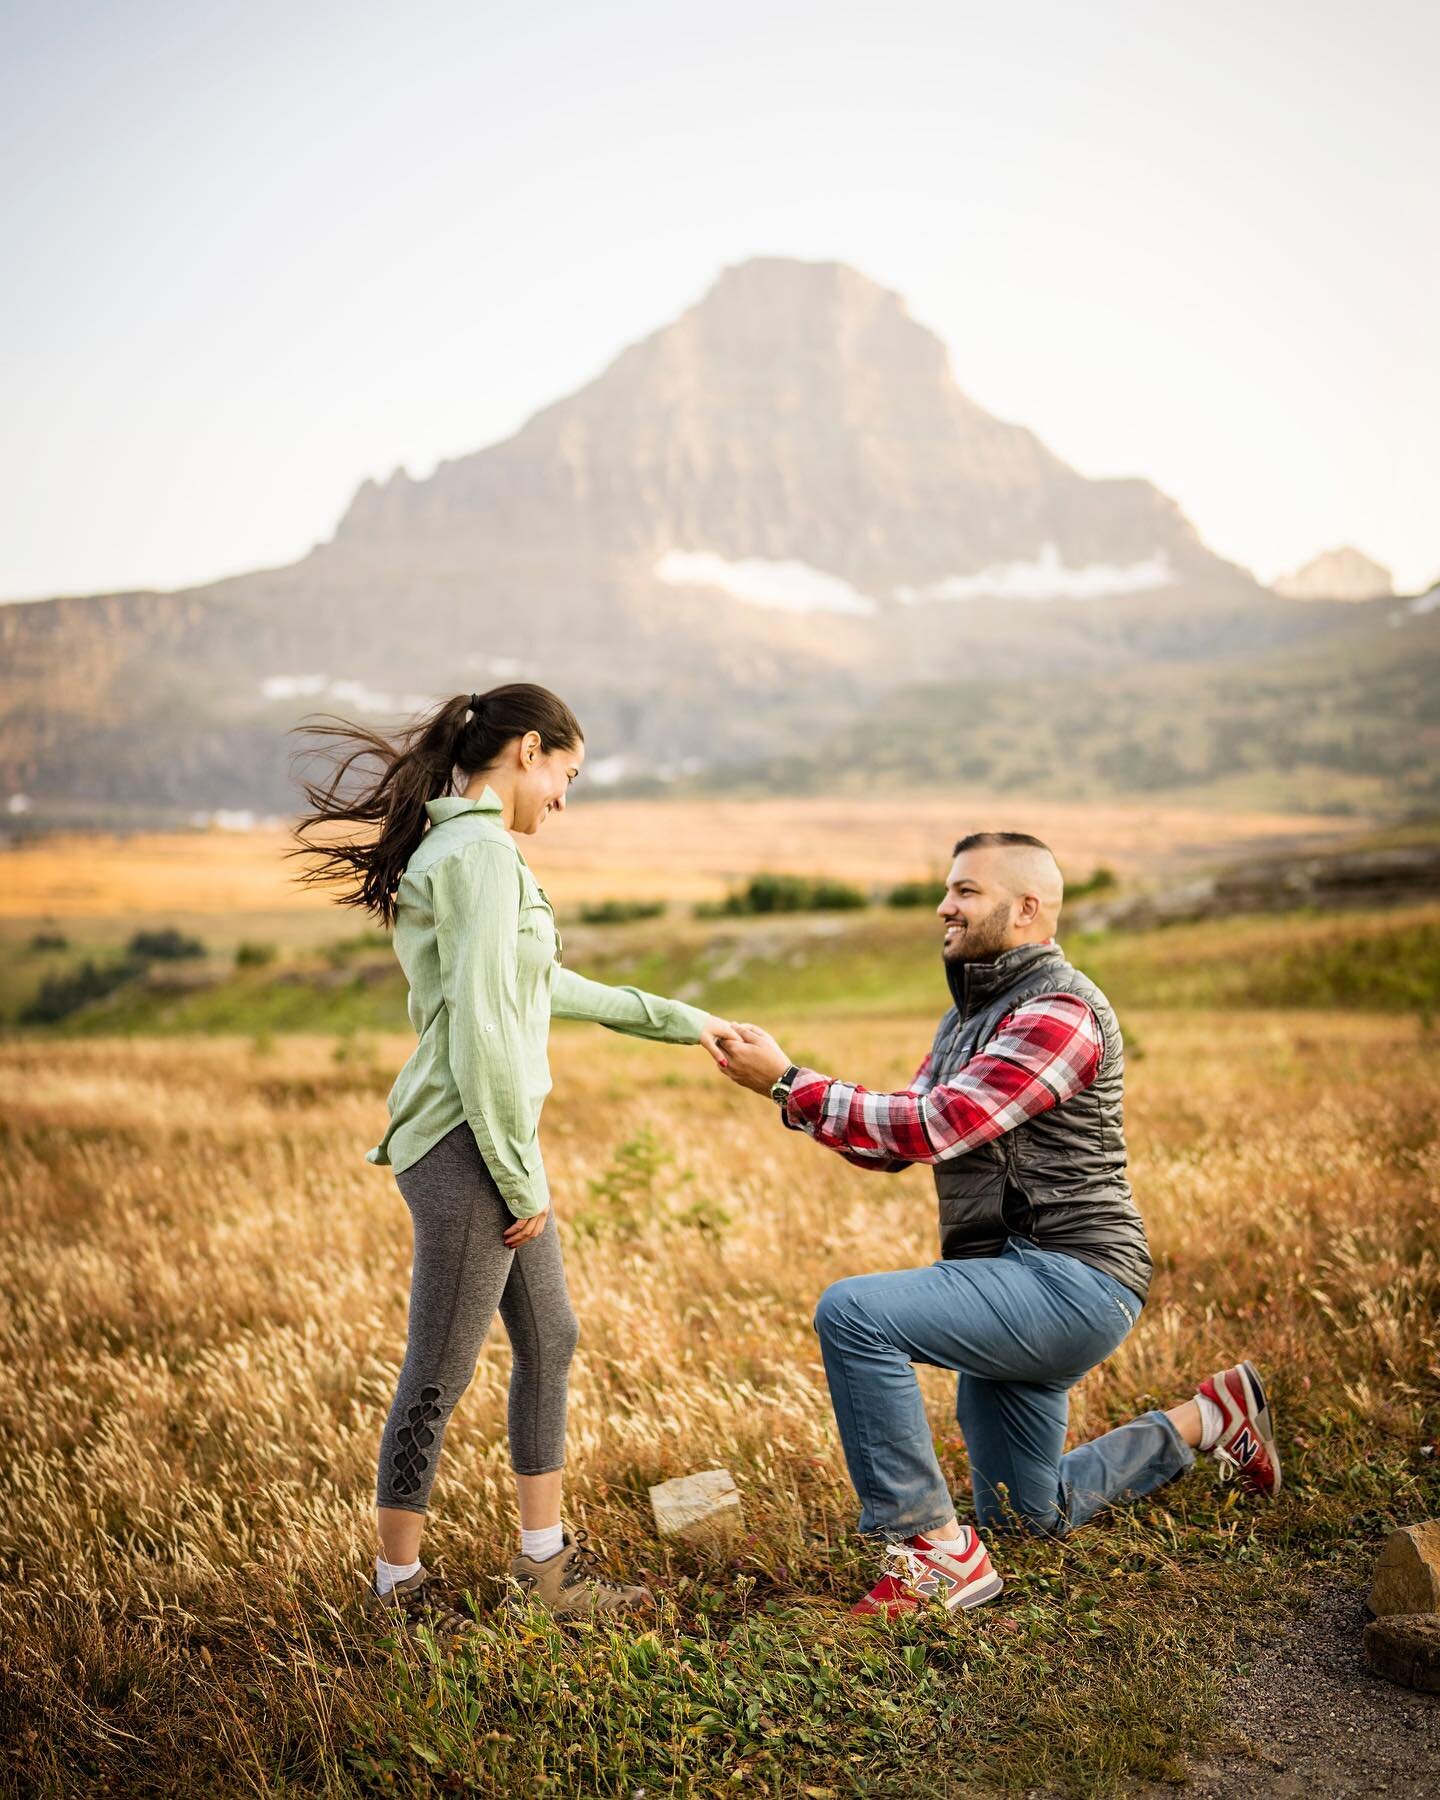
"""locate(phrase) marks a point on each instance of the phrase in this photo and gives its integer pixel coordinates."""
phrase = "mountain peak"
(797, 417)
(766, 280)
(820, 310)
(1343, 574)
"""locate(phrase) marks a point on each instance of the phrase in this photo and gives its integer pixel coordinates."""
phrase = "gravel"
(1309, 1720)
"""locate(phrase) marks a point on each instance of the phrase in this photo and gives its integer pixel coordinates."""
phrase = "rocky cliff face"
(1343, 574)
(765, 515)
(796, 413)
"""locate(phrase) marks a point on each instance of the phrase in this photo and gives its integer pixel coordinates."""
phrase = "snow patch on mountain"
(1418, 607)
(343, 693)
(789, 586)
(1047, 578)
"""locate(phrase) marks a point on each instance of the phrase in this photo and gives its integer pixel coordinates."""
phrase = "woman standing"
(476, 938)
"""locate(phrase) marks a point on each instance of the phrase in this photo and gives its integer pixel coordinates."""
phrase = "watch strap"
(780, 1092)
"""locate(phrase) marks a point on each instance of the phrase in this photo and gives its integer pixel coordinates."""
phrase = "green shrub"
(62, 995)
(49, 940)
(251, 955)
(916, 893)
(167, 945)
(638, 1193)
(342, 951)
(769, 893)
(1099, 881)
(620, 912)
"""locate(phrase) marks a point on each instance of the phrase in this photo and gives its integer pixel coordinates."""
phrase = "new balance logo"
(1244, 1449)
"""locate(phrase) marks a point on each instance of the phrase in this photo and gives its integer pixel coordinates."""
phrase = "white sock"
(541, 1545)
(1212, 1421)
(949, 1544)
(388, 1573)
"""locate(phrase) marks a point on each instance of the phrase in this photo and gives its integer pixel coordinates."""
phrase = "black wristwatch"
(780, 1093)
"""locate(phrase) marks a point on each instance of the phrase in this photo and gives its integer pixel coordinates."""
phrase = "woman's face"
(543, 782)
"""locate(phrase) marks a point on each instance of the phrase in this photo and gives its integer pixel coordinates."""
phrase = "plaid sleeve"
(1043, 1054)
(879, 1165)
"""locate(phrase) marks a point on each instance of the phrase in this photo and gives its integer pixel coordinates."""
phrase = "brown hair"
(460, 736)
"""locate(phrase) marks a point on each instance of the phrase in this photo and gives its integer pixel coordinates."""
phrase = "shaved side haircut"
(990, 840)
(1029, 866)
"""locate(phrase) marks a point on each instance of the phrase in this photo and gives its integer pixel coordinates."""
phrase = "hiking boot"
(569, 1584)
(917, 1574)
(416, 1601)
(1247, 1437)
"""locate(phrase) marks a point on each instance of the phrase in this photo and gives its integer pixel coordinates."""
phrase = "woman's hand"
(714, 1035)
(756, 1061)
(520, 1231)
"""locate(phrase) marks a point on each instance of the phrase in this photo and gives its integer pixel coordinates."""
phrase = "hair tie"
(475, 703)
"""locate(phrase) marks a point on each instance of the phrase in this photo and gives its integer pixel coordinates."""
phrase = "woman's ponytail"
(461, 735)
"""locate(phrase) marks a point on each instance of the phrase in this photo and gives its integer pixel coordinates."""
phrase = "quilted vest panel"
(1058, 1180)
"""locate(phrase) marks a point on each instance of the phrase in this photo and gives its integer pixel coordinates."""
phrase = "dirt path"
(1318, 1725)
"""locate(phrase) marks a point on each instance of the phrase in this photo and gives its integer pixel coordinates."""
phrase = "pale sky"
(255, 252)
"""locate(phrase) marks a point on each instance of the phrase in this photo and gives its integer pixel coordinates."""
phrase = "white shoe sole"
(1264, 1424)
(975, 1595)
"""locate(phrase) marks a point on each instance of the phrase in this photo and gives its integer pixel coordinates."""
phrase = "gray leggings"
(462, 1271)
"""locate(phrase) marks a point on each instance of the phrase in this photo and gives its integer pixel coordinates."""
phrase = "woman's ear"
(530, 747)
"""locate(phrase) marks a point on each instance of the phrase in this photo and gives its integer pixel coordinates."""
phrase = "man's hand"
(520, 1231)
(756, 1061)
(716, 1036)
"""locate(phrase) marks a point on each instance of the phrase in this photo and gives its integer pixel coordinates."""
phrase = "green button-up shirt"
(476, 938)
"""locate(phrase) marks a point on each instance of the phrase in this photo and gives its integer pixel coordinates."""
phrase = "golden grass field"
(672, 850)
(203, 1313)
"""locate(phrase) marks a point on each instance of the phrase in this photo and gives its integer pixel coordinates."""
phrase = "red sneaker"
(920, 1575)
(1247, 1439)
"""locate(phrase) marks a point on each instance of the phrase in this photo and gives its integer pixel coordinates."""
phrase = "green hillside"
(875, 962)
(1353, 722)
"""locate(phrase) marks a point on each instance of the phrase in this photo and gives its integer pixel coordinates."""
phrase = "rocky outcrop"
(1351, 879)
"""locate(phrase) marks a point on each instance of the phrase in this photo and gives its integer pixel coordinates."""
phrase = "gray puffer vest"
(1059, 1179)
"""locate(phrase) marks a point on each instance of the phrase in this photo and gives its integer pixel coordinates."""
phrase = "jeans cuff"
(889, 1534)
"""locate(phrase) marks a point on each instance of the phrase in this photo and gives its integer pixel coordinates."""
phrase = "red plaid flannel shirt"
(1042, 1054)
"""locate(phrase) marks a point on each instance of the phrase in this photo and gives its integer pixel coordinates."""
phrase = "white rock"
(698, 1508)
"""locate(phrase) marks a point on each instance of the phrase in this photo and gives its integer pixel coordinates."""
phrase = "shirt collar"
(450, 806)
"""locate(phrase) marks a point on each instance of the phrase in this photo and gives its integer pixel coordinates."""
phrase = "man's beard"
(981, 942)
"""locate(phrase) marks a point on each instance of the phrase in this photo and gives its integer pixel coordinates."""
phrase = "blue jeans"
(1020, 1329)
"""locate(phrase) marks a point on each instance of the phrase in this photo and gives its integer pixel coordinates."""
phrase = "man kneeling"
(1044, 1264)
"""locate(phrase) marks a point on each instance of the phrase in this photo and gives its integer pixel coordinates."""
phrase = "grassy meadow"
(202, 1311)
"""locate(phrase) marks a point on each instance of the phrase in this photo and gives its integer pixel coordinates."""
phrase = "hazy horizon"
(255, 260)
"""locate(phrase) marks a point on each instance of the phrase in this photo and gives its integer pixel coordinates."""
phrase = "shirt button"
(489, 1027)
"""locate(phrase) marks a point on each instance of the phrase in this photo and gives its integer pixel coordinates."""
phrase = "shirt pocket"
(538, 941)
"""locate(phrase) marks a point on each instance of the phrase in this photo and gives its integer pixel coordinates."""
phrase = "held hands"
(713, 1037)
(753, 1059)
(747, 1055)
